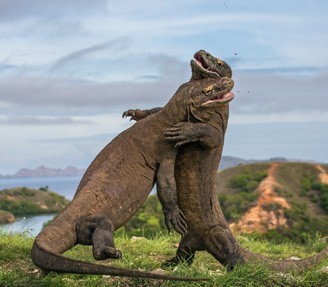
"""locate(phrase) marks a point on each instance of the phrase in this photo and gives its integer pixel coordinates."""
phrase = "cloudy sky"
(69, 68)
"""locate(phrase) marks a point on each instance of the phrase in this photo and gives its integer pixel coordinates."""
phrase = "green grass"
(16, 268)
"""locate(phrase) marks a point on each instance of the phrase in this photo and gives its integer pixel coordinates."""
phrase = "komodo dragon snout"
(216, 94)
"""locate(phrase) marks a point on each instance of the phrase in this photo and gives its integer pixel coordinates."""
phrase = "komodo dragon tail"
(49, 261)
(286, 265)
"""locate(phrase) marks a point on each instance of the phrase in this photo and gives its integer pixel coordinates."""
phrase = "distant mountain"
(47, 171)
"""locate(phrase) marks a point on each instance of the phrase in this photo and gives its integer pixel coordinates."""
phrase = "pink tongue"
(225, 96)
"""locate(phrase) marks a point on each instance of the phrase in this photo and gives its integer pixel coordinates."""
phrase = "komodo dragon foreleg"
(167, 195)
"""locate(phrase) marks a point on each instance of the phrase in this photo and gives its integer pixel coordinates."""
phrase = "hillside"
(278, 200)
(23, 201)
(289, 199)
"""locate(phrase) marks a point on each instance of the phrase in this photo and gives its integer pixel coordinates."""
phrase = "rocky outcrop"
(6, 217)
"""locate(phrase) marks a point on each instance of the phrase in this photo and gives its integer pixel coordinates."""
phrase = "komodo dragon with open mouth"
(200, 143)
(118, 182)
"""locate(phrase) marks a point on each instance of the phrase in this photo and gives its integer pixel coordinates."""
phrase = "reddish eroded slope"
(268, 213)
(323, 175)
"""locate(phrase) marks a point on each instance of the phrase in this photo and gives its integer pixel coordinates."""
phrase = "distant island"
(42, 170)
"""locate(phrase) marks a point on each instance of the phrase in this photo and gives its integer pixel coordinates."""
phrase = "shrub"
(248, 181)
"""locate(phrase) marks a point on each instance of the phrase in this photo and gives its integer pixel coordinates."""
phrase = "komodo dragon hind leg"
(98, 231)
(222, 245)
(185, 252)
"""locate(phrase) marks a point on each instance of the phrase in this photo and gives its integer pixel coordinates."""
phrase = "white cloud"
(259, 92)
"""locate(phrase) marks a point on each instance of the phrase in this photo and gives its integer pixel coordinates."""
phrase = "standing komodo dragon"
(116, 185)
(196, 168)
(200, 143)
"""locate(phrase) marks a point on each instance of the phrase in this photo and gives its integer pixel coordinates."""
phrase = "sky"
(68, 69)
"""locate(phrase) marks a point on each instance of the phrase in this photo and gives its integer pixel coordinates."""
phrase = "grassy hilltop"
(277, 200)
(21, 201)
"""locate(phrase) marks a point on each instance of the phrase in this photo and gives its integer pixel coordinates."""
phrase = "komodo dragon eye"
(219, 63)
(208, 90)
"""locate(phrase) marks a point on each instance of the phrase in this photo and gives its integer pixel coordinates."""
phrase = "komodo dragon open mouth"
(226, 98)
(219, 93)
(210, 65)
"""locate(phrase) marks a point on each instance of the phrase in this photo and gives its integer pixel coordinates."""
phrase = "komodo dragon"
(116, 185)
(196, 168)
(200, 148)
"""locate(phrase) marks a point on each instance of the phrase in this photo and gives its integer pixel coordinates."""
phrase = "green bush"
(148, 221)
(310, 185)
(19, 207)
(248, 181)
(23, 191)
(235, 205)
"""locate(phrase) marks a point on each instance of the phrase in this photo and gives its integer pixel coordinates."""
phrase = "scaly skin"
(201, 143)
(116, 185)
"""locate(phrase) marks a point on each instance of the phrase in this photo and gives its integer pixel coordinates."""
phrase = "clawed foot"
(129, 113)
(176, 218)
(107, 252)
(170, 263)
(182, 133)
(134, 114)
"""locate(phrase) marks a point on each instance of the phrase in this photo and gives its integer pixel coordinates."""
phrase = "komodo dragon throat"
(118, 182)
(200, 143)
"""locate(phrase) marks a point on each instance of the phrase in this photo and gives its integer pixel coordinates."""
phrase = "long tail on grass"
(286, 265)
(49, 261)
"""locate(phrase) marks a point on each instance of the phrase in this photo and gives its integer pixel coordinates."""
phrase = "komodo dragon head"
(204, 65)
(200, 98)
(215, 96)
